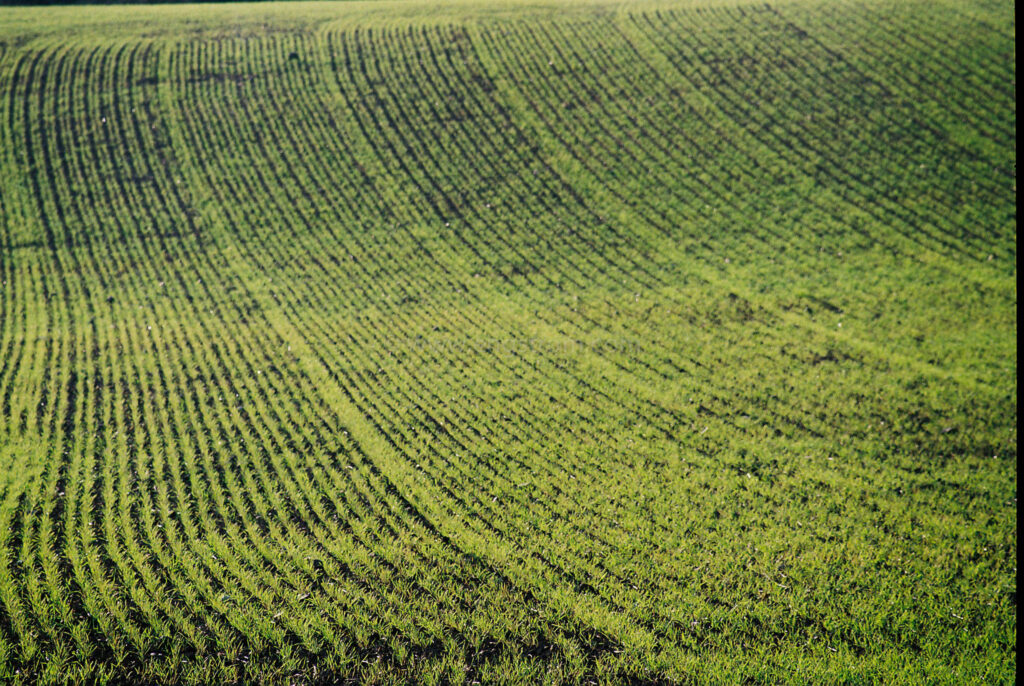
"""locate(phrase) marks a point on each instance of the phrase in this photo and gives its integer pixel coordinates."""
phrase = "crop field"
(509, 342)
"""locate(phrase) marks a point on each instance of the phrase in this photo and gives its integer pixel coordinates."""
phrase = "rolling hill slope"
(599, 342)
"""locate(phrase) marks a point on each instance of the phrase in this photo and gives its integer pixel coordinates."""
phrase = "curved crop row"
(653, 343)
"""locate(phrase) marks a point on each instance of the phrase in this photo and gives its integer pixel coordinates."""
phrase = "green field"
(509, 342)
